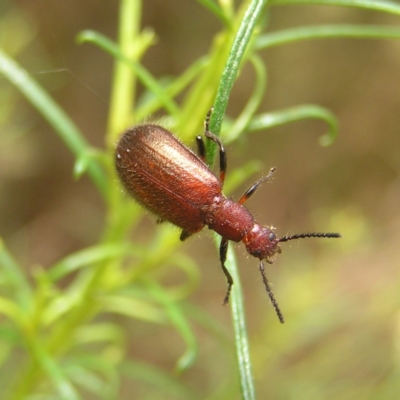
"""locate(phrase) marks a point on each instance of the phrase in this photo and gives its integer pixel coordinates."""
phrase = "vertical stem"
(242, 38)
(240, 329)
(243, 35)
(124, 80)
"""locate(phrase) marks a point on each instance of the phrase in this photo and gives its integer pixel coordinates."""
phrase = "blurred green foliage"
(83, 325)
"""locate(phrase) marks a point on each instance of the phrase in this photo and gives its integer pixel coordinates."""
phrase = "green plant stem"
(240, 329)
(233, 63)
(124, 80)
(242, 39)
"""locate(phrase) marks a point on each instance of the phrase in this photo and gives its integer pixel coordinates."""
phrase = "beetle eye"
(271, 236)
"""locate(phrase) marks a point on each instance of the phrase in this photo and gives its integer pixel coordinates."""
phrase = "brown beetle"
(171, 181)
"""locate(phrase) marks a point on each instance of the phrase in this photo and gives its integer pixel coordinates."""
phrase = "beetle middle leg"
(223, 250)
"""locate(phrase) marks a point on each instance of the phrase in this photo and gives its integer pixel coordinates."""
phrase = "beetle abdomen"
(165, 176)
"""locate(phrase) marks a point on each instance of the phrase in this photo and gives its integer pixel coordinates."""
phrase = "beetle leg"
(251, 190)
(185, 235)
(270, 294)
(222, 156)
(201, 148)
(222, 151)
(223, 250)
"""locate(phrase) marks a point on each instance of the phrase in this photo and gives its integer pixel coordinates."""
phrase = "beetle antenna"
(309, 235)
(270, 294)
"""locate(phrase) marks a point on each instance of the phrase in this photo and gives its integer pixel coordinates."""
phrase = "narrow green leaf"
(378, 5)
(95, 373)
(89, 256)
(16, 279)
(133, 308)
(268, 120)
(9, 309)
(84, 161)
(106, 332)
(217, 11)
(180, 323)
(188, 266)
(64, 388)
(143, 74)
(54, 115)
(158, 379)
(326, 31)
(174, 88)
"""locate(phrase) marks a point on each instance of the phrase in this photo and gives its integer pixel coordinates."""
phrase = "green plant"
(55, 324)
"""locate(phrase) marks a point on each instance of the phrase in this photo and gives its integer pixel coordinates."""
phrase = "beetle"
(171, 181)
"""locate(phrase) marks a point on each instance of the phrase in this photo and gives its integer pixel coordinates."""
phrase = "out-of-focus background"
(341, 298)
